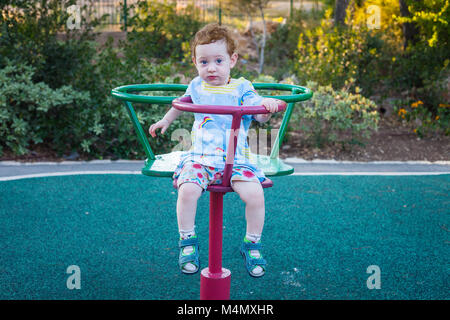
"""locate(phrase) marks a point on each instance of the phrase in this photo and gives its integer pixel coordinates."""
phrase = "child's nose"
(211, 67)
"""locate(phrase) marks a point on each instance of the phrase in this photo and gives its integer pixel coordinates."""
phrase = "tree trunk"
(340, 11)
(409, 29)
(263, 42)
(251, 32)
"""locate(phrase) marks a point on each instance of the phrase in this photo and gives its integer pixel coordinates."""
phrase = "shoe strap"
(257, 262)
(192, 258)
(188, 242)
(252, 246)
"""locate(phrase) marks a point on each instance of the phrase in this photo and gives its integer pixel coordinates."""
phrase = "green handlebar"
(123, 92)
(127, 95)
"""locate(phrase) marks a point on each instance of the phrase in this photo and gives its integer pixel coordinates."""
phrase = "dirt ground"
(394, 141)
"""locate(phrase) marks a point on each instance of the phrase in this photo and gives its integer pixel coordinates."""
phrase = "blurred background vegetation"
(362, 58)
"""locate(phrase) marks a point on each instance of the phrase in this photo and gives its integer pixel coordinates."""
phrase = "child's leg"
(188, 195)
(253, 196)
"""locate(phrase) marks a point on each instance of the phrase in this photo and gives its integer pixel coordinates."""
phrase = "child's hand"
(270, 104)
(162, 124)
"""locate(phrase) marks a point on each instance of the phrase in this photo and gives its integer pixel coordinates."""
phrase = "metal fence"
(117, 12)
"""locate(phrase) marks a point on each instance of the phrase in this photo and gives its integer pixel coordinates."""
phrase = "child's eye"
(203, 62)
(219, 61)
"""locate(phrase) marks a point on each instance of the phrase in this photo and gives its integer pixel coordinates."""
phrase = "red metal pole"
(215, 281)
(215, 231)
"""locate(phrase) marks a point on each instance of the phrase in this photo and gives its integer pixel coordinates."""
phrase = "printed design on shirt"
(227, 88)
(206, 137)
(249, 96)
(220, 151)
(204, 122)
(247, 152)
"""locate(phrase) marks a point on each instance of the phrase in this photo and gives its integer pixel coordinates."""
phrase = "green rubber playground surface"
(320, 236)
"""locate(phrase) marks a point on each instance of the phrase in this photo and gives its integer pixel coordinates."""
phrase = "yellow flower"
(393, 59)
(437, 118)
(401, 112)
(415, 130)
(416, 104)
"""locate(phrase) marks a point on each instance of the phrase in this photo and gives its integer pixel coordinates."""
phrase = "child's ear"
(193, 60)
(233, 59)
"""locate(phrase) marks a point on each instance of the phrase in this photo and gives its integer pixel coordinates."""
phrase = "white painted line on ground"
(362, 173)
(18, 163)
(74, 173)
(70, 173)
(318, 161)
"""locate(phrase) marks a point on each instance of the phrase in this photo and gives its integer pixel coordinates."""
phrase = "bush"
(337, 117)
(159, 31)
(74, 110)
(332, 55)
(425, 121)
(281, 47)
(33, 113)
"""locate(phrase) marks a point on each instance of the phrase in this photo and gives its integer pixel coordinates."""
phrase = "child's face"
(213, 62)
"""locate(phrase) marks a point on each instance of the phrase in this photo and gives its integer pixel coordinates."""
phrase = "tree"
(409, 28)
(249, 7)
(340, 10)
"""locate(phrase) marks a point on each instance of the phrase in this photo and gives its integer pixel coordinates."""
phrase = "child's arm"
(165, 122)
(271, 105)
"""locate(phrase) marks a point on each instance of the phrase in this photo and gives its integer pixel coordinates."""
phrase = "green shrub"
(337, 117)
(426, 122)
(281, 47)
(331, 55)
(159, 31)
(33, 113)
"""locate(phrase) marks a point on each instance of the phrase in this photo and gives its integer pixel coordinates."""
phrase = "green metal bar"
(139, 131)
(126, 94)
(283, 128)
(122, 92)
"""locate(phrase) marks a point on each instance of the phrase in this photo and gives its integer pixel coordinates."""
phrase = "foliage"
(335, 116)
(159, 31)
(29, 34)
(426, 123)
(33, 113)
(432, 18)
(282, 44)
(55, 90)
(425, 64)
